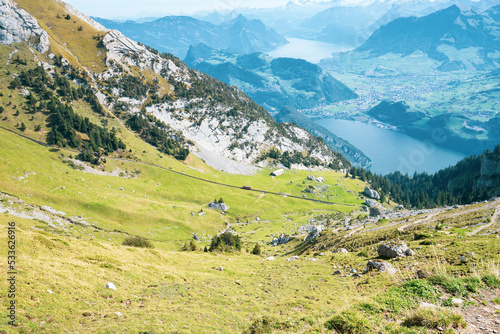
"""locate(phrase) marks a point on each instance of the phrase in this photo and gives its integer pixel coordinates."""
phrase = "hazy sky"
(143, 8)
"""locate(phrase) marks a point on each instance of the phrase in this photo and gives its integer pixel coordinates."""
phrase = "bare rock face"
(371, 193)
(392, 250)
(218, 206)
(380, 266)
(16, 26)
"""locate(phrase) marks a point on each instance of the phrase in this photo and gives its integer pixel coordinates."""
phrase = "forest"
(53, 96)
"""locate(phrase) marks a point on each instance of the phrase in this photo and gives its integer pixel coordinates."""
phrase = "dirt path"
(420, 221)
(493, 221)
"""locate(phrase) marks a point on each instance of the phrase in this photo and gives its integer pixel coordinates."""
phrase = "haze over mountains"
(175, 34)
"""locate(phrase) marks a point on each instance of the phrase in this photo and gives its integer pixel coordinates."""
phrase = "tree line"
(453, 185)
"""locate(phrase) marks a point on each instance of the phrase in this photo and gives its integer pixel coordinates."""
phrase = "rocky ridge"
(214, 124)
(17, 25)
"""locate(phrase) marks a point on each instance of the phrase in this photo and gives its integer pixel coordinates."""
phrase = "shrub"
(491, 281)
(434, 318)
(266, 325)
(421, 289)
(137, 242)
(363, 254)
(225, 242)
(451, 284)
(350, 322)
(256, 250)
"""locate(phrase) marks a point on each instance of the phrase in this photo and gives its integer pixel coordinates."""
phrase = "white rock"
(17, 25)
(110, 286)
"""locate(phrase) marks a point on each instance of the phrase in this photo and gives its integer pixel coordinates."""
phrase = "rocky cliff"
(17, 25)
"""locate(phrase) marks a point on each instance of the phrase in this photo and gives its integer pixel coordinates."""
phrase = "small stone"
(457, 301)
(270, 258)
(423, 274)
(50, 291)
(425, 305)
(110, 286)
(118, 314)
(337, 272)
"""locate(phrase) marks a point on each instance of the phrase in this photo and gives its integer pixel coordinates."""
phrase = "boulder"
(391, 250)
(421, 274)
(371, 203)
(371, 193)
(320, 179)
(380, 266)
(377, 211)
(218, 206)
(342, 250)
(281, 240)
(311, 178)
(315, 231)
(337, 272)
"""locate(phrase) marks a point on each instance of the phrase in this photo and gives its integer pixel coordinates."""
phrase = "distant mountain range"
(440, 35)
(175, 34)
(271, 82)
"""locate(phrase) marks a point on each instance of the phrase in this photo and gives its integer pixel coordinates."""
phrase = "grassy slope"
(165, 291)
(65, 35)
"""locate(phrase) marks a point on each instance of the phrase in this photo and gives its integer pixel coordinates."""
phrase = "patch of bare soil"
(484, 318)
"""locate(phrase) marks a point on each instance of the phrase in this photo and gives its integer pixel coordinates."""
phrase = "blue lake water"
(390, 150)
(312, 51)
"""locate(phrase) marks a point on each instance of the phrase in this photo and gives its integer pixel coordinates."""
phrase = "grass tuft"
(433, 318)
(350, 322)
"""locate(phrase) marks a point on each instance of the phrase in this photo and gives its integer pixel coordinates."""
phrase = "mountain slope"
(352, 153)
(273, 83)
(165, 103)
(438, 35)
(174, 34)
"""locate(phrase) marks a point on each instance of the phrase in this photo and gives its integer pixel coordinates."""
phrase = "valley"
(144, 194)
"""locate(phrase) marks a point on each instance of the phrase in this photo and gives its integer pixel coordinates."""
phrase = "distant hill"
(457, 132)
(273, 83)
(440, 35)
(174, 34)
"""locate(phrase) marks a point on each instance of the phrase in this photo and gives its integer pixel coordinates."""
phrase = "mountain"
(174, 34)
(342, 25)
(353, 154)
(170, 106)
(441, 35)
(271, 82)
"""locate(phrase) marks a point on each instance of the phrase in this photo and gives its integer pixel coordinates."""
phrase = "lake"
(390, 150)
(312, 51)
